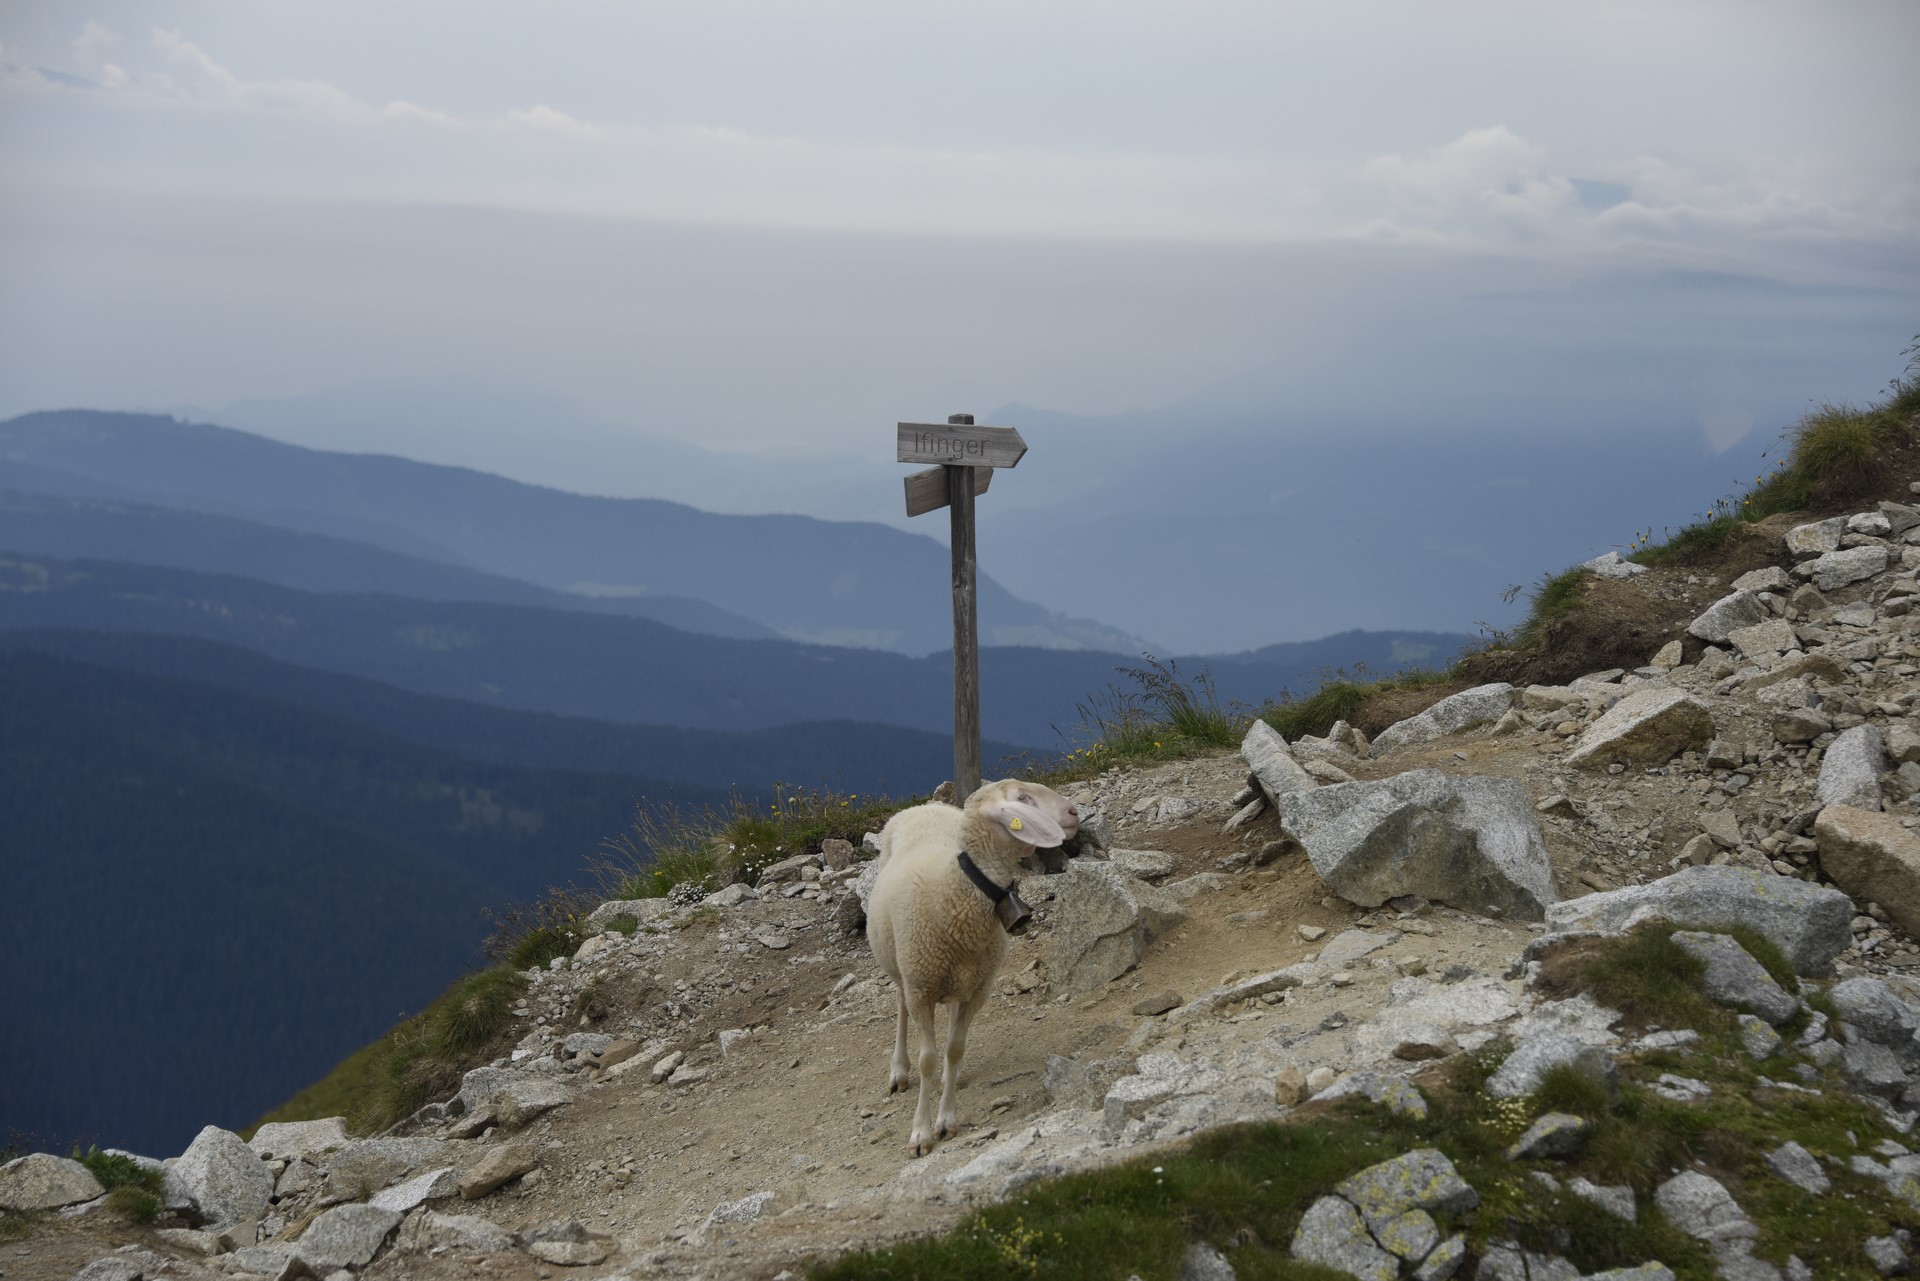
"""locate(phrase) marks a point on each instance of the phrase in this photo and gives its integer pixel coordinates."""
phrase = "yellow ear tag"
(1015, 825)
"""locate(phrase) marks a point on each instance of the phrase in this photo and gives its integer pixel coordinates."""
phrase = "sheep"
(936, 932)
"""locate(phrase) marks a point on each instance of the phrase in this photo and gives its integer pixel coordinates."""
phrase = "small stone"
(1204, 1263)
(1734, 978)
(570, 1254)
(1445, 1259)
(1289, 1086)
(1167, 1000)
(1886, 1255)
(1703, 1209)
(1758, 1038)
(496, 1166)
(1332, 1235)
(1526, 1067)
(1555, 1134)
(1321, 1078)
(1850, 769)
(1312, 933)
(347, 1236)
(1799, 1167)
(1615, 1200)
(1729, 613)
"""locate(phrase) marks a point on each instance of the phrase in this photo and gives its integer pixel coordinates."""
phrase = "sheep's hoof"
(948, 1126)
(897, 1084)
(919, 1144)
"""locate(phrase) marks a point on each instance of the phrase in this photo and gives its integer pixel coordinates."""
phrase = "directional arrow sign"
(927, 490)
(966, 446)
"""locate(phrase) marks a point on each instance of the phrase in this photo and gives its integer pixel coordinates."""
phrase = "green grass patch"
(1556, 596)
(1648, 977)
(420, 1060)
(707, 849)
(16, 1225)
(1768, 953)
(135, 1205)
(540, 945)
(117, 1171)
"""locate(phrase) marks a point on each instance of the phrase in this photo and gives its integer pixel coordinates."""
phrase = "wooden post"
(966, 630)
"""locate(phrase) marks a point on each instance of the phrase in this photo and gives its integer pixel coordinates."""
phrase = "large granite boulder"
(223, 1178)
(1470, 707)
(1472, 842)
(1647, 727)
(1104, 920)
(1810, 923)
(42, 1181)
(1272, 762)
(1850, 768)
(1870, 856)
(347, 1236)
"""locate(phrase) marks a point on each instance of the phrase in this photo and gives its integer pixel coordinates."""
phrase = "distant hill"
(305, 877)
(621, 669)
(81, 528)
(844, 755)
(840, 583)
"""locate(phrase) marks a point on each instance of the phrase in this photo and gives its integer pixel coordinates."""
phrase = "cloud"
(93, 38)
(548, 120)
(1473, 167)
(208, 82)
(400, 109)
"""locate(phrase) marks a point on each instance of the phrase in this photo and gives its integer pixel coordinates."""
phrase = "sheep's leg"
(963, 1012)
(920, 1142)
(897, 1081)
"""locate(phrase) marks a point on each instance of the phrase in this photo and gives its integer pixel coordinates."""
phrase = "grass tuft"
(1768, 953)
(1568, 1089)
(542, 944)
(1648, 977)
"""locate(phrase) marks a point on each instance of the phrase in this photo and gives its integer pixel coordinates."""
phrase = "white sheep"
(934, 929)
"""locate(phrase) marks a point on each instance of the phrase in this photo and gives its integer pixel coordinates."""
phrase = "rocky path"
(705, 1096)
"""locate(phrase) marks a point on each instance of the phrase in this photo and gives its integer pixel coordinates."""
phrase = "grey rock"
(1733, 977)
(1472, 842)
(1799, 1167)
(1810, 923)
(1445, 1259)
(1272, 762)
(1393, 1093)
(1423, 1179)
(571, 1254)
(1727, 615)
(1350, 945)
(1502, 1262)
(1204, 1263)
(734, 895)
(511, 1098)
(642, 910)
(1104, 921)
(498, 1165)
(420, 1189)
(1451, 715)
(1886, 1255)
(1644, 1272)
(467, 1233)
(1647, 727)
(110, 1269)
(1615, 1200)
(1873, 1069)
(1762, 641)
(1703, 1209)
(1758, 1038)
(223, 1178)
(42, 1181)
(364, 1166)
(1412, 1236)
(1868, 1008)
(1555, 1134)
(1770, 579)
(745, 1210)
(1523, 1070)
(1077, 1084)
(347, 1236)
(1850, 769)
(1871, 856)
(290, 1140)
(1800, 724)
(1612, 565)
(267, 1260)
(1148, 865)
(1816, 538)
(1332, 1235)
(1836, 569)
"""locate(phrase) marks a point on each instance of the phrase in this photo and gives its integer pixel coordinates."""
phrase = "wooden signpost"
(966, 455)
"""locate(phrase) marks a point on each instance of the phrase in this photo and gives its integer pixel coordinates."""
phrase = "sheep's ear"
(1024, 821)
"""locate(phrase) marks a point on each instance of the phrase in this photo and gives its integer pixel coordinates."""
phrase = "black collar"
(995, 892)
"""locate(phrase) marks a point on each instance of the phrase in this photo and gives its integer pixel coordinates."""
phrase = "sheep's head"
(1027, 812)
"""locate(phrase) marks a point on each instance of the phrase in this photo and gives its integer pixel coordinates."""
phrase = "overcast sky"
(754, 224)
